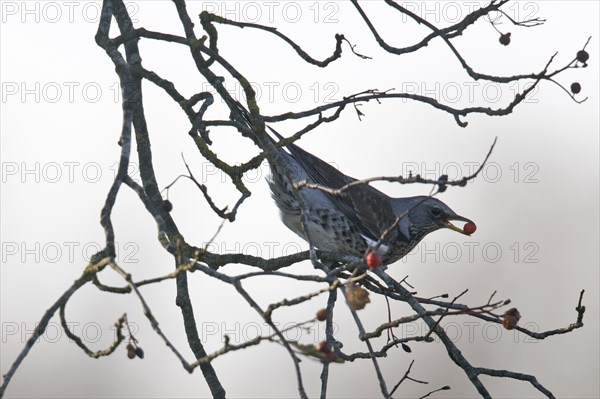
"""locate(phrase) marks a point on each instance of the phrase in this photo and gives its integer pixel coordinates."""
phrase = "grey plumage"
(351, 223)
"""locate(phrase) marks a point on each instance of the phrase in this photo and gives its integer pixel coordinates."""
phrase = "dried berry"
(505, 39)
(582, 56)
(167, 206)
(130, 351)
(322, 314)
(575, 88)
(139, 352)
(356, 297)
(511, 318)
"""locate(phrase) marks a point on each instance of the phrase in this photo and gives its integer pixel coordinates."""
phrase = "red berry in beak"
(469, 228)
(373, 260)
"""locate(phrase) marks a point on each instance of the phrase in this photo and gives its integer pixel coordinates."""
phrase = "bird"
(358, 220)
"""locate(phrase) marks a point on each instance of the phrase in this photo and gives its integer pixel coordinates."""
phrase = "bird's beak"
(449, 225)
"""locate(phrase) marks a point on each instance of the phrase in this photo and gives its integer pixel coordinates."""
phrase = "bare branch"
(89, 271)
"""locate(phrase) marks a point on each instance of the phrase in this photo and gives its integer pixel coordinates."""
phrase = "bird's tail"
(247, 121)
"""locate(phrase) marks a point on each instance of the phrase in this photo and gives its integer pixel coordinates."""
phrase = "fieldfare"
(357, 219)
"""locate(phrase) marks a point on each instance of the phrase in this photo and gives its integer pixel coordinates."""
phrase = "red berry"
(469, 228)
(373, 260)
(322, 314)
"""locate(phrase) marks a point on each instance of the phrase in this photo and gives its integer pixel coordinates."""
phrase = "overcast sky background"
(535, 205)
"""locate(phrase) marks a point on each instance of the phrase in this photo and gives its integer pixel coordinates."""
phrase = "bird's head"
(426, 215)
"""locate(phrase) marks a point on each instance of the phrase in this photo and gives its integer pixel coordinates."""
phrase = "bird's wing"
(374, 210)
(368, 208)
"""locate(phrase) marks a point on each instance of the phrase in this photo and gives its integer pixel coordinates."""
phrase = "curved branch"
(79, 342)
(206, 19)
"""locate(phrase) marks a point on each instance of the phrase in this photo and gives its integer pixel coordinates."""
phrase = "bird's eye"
(435, 211)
